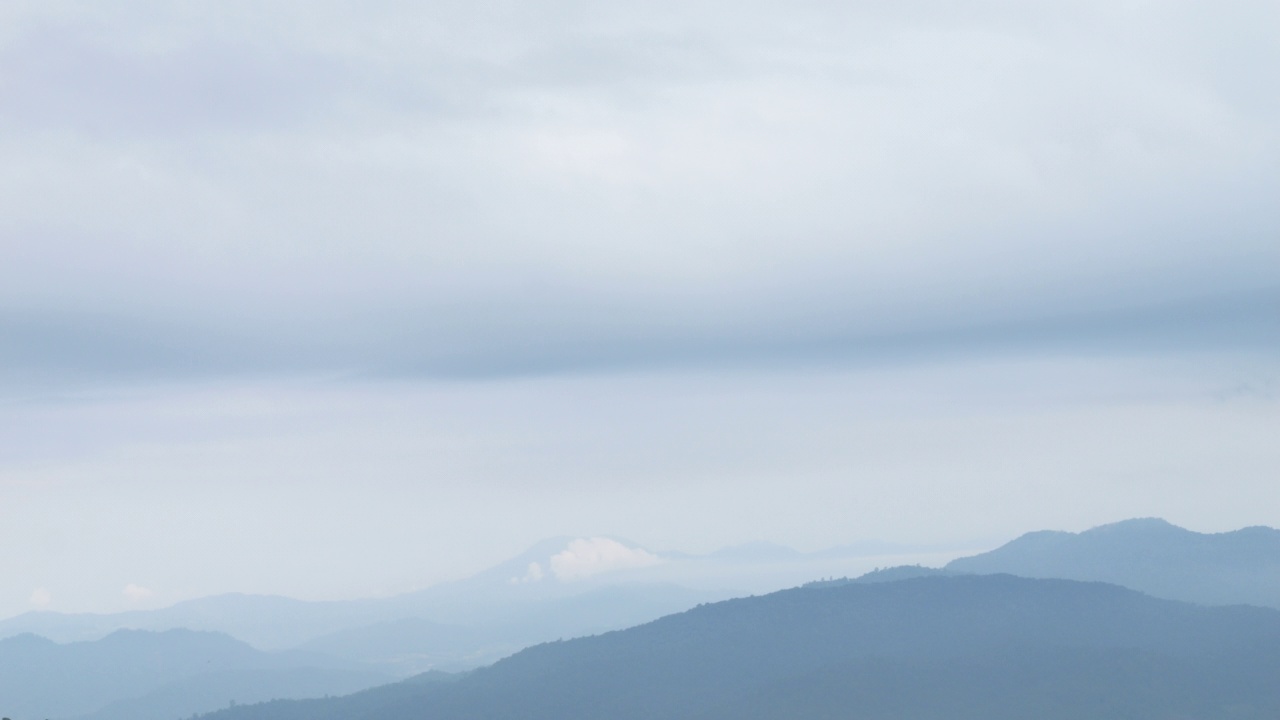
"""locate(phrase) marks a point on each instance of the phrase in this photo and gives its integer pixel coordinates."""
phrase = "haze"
(342, 299)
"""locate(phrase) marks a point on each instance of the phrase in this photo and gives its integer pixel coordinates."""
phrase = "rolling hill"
(954, 647)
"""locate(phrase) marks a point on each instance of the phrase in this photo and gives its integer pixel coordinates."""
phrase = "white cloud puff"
(40, 598)
(136, 593)
(532, 575)
(585, 557)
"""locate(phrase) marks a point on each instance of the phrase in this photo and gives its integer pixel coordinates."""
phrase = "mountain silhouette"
(954, 647)
(1151, 555)
(496, 604)
(41, 678)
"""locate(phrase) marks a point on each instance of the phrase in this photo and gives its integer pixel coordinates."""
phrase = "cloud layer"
(504, 187)
(585, 557)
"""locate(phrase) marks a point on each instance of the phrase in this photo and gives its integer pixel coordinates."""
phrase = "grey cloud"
(38, 344)
(58, 79)
(513, 187)
(78, 76)
(566, 337)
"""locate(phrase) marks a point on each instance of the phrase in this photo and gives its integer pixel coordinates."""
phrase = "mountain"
(956, 647)
(413, 644)
(409, 644)
(133, 669)
(265, 621)
(206, 692)
(562, 587)
(889, 574)
(1150, 555)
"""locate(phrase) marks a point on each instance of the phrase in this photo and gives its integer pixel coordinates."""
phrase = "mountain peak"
(569, 559)
(1137, 525)
(1151, 555)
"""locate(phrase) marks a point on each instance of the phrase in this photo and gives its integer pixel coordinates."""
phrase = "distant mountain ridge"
(547, 591)
(266, 621)
(496, 596)
(40, 678)
(569, 587)
(1150, 555)
(993, 647)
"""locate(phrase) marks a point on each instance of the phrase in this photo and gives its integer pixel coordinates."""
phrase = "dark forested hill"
(988, 647)
(1150, 555)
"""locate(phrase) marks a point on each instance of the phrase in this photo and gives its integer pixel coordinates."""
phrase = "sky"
(337, 299)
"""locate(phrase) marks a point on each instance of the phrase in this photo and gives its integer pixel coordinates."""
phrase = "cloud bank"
(136, 593)
(585, 557)
(500, 187)
(40, 598)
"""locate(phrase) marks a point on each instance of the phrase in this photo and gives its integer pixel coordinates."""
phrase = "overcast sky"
(332, 299)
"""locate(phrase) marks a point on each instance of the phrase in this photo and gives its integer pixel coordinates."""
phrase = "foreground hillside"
(985, 647)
